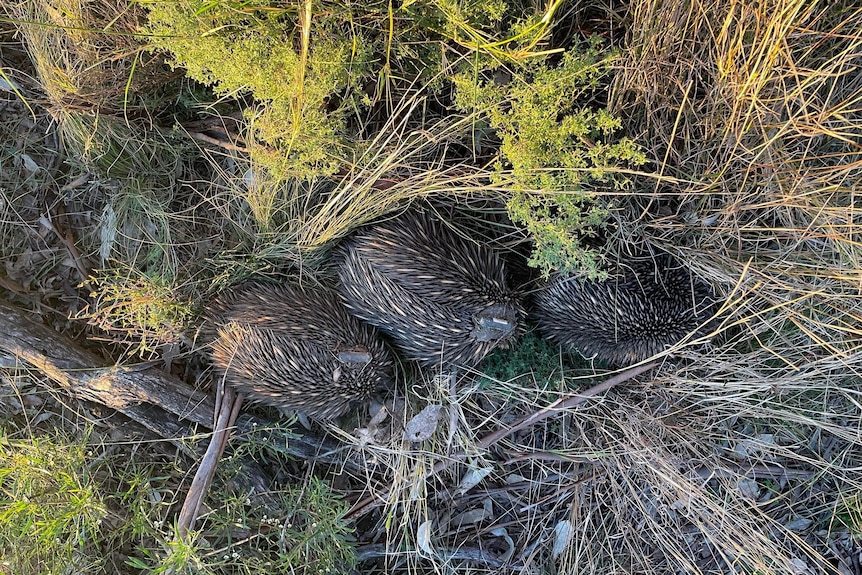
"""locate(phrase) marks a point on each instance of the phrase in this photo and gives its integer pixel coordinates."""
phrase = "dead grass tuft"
(86, 54)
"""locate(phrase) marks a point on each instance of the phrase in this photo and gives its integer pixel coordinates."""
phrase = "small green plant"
(51, 510)
(849, 512)
(301, 530)
(531, 356)
(314, 533)
(552, 147)
(144, 310)
(533, 364)
(305, 533)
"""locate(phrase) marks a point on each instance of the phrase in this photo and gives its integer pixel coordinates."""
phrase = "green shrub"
(294, 63)
(532, 356)
(50, 508)
(303, 67)
(552, 148)
(305, 535)
(143, 310)
(67, 506)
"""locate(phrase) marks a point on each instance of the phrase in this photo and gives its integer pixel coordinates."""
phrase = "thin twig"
(217, 142)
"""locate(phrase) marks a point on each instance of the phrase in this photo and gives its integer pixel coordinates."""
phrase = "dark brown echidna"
(440, 297)
(296, 348)
(641, 310)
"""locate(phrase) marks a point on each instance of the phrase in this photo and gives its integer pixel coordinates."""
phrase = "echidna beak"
(355, 356)
(492, 328)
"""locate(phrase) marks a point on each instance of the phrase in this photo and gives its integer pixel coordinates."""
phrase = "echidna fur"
(641, 310)
(296, 348)
(441, 298)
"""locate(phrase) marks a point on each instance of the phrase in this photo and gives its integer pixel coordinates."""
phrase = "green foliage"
(314, 532)
(120, 149)
(264, 51)
(67, 506)
(303, 66)
(146, 310)
(306, 535)
(556, 223)
(494, 30)
(51, 511)
(486, 14)
(532, 356)
(849, 512)
(552, 147)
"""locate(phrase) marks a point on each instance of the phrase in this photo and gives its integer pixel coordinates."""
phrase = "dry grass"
(739, 457)
(753, 116)
(85, 54)
(402, 163)
(743, 457)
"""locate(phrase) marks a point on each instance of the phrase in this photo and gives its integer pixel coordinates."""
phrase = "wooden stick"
(208, 465)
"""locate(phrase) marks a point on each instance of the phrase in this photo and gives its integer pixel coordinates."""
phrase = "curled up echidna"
(440, 297)
(641, 310)
(296, 348)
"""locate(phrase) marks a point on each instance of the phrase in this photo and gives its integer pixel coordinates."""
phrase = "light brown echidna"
(296, 348)
(641, 310)
(440, 297)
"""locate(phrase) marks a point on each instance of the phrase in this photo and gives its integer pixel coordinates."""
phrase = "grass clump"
(144, 312)
(87, 57)
(314, 536)
(123, 150)
(51, 510)
(135, 227)
(301, 530)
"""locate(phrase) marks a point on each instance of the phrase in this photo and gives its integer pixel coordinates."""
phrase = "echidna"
(643, 308)
(440, 297)
(296, 348)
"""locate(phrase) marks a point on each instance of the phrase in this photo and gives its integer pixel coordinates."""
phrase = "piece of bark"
(153, 398)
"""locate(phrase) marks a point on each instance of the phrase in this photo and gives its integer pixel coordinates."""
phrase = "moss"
(531, 356)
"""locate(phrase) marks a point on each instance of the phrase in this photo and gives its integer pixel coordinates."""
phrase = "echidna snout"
(496, 323)
(358, 356)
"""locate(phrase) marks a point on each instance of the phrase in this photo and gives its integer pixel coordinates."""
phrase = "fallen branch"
(228, 409)
(133, 391)
(162, 403)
